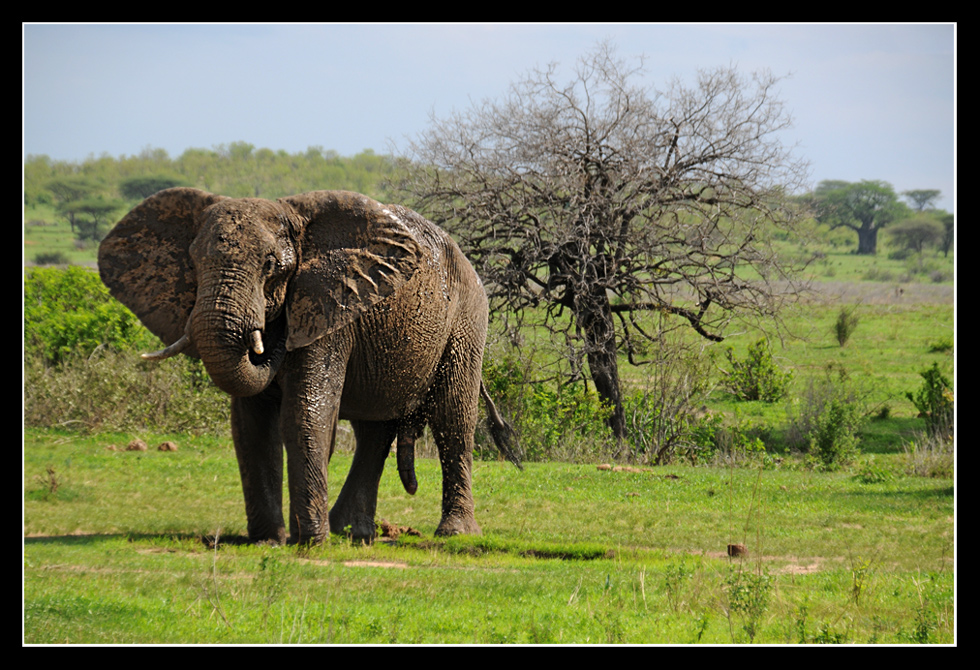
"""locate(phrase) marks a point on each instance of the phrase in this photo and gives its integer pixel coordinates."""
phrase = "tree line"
(91, 195)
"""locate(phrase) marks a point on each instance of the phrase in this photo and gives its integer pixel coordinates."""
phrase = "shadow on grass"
(208, 540)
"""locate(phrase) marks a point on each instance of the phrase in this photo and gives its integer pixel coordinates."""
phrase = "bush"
(930, 456)
(666, 419)
(757, 377)
(934, 400)
(846, 322)
(69, 311)
(51, 258)
(552, 422)
(740, 443)
(830, 417)
(113, 391)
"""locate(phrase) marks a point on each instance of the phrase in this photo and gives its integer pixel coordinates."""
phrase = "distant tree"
(864, 207)
(600, 199)
(92, 216)
(138, 188)
(71, 189)
(916, 233)
(68, 190)
(922, 199)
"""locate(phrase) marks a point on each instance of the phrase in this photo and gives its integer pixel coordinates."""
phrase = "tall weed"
(553, 421)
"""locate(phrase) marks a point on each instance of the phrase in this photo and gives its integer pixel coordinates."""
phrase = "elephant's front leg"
(258, 446)
(353, 513)
(312, 379)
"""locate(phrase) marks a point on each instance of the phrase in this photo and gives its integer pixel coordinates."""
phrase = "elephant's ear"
(145, 263)
(354, 252)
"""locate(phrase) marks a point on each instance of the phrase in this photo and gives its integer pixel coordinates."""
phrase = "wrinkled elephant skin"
(306, 310)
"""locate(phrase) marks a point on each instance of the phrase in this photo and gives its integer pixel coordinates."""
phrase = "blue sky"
(869, 101)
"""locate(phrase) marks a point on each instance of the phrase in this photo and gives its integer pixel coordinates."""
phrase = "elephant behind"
(309, 309)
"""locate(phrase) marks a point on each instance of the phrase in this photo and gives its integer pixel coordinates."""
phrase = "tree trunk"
(867, 240)
(596, 321)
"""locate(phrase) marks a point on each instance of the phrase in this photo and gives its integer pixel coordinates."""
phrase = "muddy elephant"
(308, 309)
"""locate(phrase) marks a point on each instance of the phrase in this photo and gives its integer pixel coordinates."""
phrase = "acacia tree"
(589, 204)
(923, 199)
(865, 207)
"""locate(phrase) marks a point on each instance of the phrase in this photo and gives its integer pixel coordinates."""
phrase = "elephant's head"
(239, 282)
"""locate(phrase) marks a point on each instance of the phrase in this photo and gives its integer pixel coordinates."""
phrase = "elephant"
(308, 309)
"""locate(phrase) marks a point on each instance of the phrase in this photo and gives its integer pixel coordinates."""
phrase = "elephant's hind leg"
(453, 422)
(353, 513)
(258, 446)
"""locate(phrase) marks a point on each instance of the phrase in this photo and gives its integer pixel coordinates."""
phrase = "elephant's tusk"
(256, 338)
(172, 350)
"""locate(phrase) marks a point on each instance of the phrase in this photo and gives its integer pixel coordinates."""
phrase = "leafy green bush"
(757, 377)
(69, 311)
(934, 400)
(82, 371)
(829, 420)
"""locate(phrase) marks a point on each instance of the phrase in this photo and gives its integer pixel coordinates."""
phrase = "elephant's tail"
(503, 434)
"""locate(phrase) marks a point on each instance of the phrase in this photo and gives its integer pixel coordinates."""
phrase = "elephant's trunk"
(241, 351)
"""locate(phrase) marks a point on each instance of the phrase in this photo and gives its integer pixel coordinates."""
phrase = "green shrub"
(929, 456)
(828, 421)
(552, 422)
(740, 443)
(757, 377)
(118, 391)
(845, 325)
(69, 311)
(934, 400)
(667, 419)
(51, 258)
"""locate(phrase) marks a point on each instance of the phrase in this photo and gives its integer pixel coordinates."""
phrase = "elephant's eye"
(269, 266)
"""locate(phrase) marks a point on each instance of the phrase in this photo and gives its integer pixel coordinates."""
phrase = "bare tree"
(585, 205)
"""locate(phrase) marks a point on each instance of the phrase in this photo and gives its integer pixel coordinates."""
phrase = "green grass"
(890, 346)
(113, 549)
(46, 233)
(113, 553)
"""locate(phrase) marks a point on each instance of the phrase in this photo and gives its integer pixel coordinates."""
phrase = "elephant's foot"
(353, 526)
(276, 537)
(458, 526)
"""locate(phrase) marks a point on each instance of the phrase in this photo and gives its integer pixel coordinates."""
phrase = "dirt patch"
(376, 564)
(882, 293)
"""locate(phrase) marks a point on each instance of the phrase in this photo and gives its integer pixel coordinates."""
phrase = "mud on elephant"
(308, 309)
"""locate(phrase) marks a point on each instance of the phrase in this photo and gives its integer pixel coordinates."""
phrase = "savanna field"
(822, 513)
